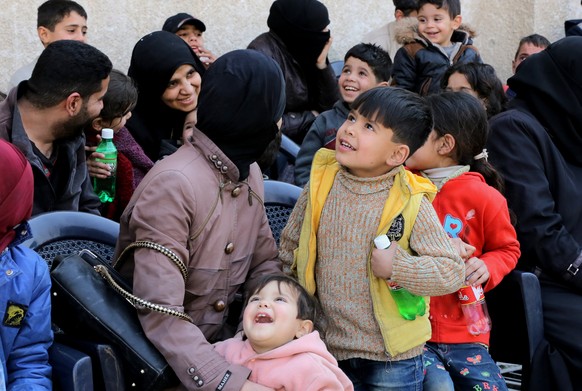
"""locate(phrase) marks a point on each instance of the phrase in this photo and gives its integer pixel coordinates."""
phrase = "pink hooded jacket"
(303, 364)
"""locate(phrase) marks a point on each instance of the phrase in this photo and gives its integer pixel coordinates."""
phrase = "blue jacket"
(321, 135)
(25, 312)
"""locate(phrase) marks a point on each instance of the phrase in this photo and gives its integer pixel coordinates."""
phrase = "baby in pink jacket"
(281, 343)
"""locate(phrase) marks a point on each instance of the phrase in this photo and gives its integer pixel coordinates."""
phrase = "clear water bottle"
(474, 308)
(105, 188)
(409, 305)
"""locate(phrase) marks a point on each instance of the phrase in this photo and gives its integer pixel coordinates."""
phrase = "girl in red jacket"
(474, 214)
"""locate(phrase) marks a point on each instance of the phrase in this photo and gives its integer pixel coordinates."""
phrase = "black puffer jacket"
(419, 65)
(302, 96)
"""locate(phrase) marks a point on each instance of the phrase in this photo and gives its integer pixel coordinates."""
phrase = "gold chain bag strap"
(136, 301)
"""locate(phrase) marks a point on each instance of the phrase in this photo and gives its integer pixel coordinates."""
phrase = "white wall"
(115, 25)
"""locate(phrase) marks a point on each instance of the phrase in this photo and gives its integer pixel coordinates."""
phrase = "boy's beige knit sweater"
(349, 221)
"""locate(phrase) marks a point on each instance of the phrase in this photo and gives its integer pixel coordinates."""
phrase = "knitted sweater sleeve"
(290, 234)
(434, 268)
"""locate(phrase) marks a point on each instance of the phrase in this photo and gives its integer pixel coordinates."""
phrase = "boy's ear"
(398, 14)
(457, 22)
(305, 328)
(398, 156)
(446, 144)
(383, 84)
(43, 34)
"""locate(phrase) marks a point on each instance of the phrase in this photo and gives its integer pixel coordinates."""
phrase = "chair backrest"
(515, 307)
(66, 233)
(337, 67)
(280, 198)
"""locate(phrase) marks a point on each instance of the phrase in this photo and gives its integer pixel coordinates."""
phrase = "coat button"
(219, 305)
(236, 192)
(10, 271)
(224, 169)
(214, 158)
(191, 370)
(229, 248)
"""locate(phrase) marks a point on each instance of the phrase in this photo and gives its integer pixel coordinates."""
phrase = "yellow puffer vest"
(405, 196)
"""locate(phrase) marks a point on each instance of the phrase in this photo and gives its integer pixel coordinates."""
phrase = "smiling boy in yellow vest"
(354, 194)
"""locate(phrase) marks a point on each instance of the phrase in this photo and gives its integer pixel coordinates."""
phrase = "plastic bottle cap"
(382, 242)
(107, 133)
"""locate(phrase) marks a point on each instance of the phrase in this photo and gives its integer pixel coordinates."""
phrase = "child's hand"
(321, 60)
(382, 261)
(476, 272)
(465, 250)
(206, 56)
(97, 169)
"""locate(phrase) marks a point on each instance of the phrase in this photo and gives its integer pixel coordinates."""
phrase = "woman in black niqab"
(550, 85)
(240, 103)
(154, 60)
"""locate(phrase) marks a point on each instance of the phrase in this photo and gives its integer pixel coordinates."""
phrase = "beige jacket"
(192, 203)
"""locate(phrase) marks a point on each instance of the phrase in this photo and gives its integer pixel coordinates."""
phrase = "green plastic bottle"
(105, 188)
(409, 305)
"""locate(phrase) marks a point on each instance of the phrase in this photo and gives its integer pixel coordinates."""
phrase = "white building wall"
(115, 25)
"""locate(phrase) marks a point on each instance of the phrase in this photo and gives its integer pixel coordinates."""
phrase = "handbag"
(90, 300)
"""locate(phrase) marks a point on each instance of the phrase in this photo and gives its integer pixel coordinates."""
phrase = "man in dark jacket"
(44, 118)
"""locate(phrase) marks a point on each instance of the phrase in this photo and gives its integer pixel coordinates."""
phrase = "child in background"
(479, 80)
(365, 66)
(25, 284)
(431, 46)
(528, 45)
(190, 30)
(132, 162)
(471, 208)
(283, 326)
(355, 194)
(385, 36)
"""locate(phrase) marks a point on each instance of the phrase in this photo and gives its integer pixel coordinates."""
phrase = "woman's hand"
(322, 59)
(382, 260)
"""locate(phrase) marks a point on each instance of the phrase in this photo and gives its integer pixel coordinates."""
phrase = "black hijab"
(154, 60)
(299, 24)
(550, 83)
(240, 102)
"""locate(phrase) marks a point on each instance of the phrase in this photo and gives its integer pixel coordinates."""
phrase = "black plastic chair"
(63, 233)
(66, 233)
(337, 67)
(71, 369)
(280, 198)
(515, 307)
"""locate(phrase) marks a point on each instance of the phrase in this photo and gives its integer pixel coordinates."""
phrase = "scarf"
(550, 84)
(240, 102)
(16, 191)
(154, 60)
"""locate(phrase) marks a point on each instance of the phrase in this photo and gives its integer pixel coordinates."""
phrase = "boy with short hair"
(432, 45)
(365, 66)
(190, 29)
(385, 36)
(528, 45)
(355, 194)
(56, 20)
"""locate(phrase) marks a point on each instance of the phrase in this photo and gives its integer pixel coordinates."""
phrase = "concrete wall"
(115, 25)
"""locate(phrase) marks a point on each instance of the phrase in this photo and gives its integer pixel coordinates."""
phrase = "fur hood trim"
(407, 31)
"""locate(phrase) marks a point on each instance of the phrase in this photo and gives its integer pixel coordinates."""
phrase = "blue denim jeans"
(368, 375)
(467, 366)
